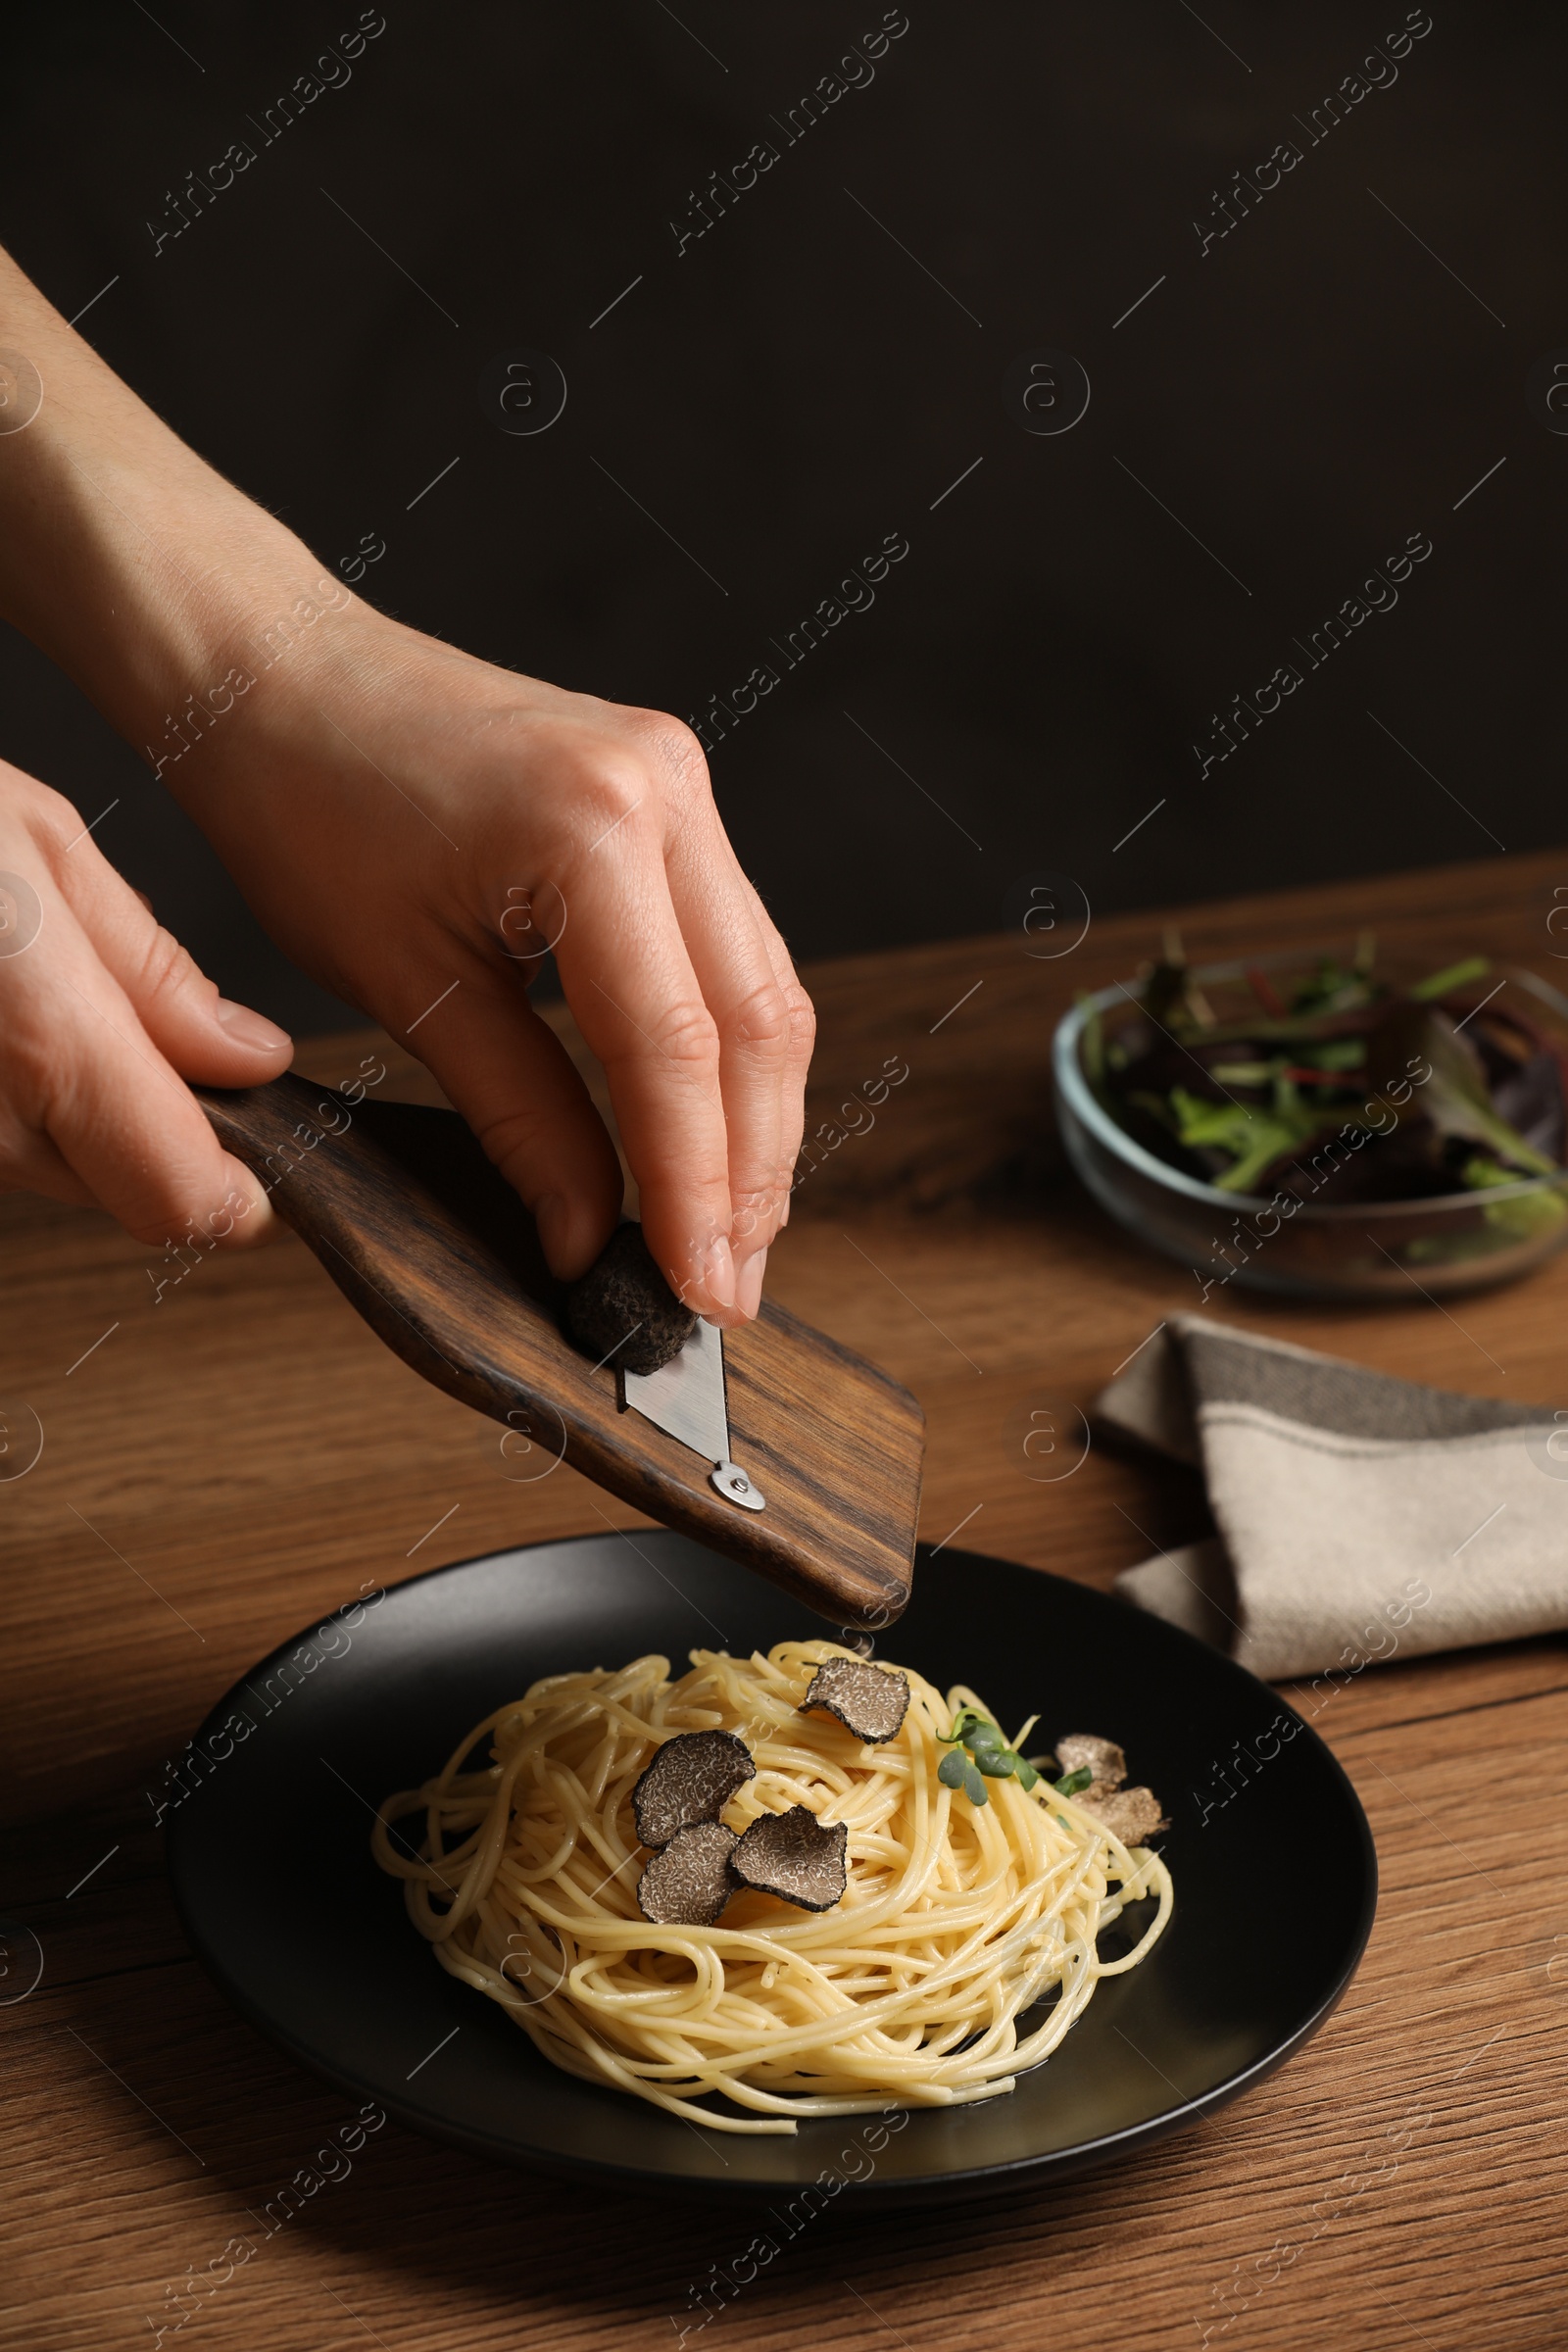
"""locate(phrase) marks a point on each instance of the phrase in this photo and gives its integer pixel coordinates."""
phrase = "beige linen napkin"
(1359, 1517)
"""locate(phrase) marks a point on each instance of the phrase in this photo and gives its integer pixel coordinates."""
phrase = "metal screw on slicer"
(735, 1486)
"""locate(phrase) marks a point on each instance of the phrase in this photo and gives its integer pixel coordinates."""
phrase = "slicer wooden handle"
(435, 1251)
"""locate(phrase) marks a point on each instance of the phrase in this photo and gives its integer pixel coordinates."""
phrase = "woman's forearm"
(124, 555)
(416, 828)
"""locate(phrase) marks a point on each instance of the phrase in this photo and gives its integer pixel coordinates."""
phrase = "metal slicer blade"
(685, 1398)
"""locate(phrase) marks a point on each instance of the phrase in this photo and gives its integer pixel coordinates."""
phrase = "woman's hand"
(101, 1018)
(416, 828)
(413, 826)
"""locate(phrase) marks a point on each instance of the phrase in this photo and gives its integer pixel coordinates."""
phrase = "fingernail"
(719, 1273)
(749, 1282)
(248, 1028)
(247, 1213)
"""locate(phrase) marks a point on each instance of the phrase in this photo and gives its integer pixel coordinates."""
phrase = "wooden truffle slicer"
(817, 1485)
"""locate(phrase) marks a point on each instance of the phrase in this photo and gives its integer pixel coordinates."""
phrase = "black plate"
(271, 1861)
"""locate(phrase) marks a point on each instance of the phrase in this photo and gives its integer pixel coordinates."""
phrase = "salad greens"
(1439, 1087)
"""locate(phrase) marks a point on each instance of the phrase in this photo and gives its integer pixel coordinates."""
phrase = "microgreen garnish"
(980, 1753)
(1071, 1783)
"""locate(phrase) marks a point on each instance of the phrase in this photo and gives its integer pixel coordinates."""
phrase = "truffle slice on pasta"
(691, 1779)
(1103, 1757)
(1134, 1815)
(872, 1701)
(794, 1856)
(689, 1884)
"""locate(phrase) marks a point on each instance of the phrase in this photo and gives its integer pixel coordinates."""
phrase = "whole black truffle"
(688, 1885)
(691, 1779)
(624, 1309)
(795, 1856)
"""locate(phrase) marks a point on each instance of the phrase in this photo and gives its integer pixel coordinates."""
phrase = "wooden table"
(224, 1466)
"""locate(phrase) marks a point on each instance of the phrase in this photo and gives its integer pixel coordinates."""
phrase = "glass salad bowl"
(1288, 1230)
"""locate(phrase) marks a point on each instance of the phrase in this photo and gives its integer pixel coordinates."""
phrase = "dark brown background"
(1314, 389)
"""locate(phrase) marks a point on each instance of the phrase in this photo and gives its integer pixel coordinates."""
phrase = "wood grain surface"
(431, 1245)
(225, 1465)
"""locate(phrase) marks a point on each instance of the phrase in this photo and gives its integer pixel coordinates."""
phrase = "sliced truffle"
(689, 1884)
(1133, 1815)
(872, 1701)
(794, 1855)
(691, 1779)
(1103, 1757)
(625, 1310)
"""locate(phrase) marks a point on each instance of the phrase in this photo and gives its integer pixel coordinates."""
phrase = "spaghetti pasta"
(964, 1949)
